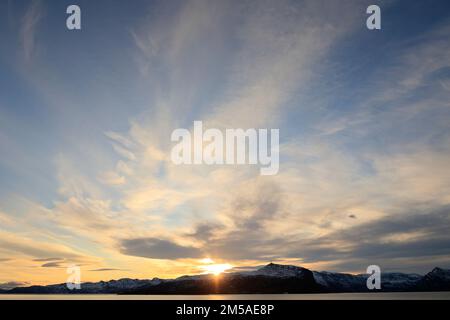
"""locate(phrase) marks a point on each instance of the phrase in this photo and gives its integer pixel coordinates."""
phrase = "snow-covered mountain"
(112, 286)
(278, 270)
(272, 278)
(436, 280)
(396, 281)
(342, 282)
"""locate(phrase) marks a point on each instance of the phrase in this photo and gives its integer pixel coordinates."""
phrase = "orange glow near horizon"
(216, 269)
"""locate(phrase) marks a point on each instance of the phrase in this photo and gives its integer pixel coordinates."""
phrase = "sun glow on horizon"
(214, 268)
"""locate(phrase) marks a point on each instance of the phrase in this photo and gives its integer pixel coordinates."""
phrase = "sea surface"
(324, 296)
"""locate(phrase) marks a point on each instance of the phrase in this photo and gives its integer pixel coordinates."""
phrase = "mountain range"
(272, 278)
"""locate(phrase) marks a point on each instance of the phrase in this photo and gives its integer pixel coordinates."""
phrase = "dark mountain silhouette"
(272, 278)
(436, 280)
(269, 279)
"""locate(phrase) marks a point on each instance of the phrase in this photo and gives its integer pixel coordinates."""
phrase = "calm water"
(328, 296)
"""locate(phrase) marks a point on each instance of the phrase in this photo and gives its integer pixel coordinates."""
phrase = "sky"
(86, 116)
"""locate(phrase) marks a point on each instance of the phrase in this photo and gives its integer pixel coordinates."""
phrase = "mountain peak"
(279, 266)
(280, 270)
(438, 270)
(439, 273)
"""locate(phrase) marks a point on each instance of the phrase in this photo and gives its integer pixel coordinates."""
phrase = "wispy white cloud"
(279, 49)
(30, 28)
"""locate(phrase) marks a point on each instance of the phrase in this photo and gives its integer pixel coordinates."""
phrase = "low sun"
(216, 269)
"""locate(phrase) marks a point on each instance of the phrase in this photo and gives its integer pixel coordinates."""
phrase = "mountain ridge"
(271, 278)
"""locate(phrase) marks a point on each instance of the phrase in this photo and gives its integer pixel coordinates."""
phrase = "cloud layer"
(364, 128)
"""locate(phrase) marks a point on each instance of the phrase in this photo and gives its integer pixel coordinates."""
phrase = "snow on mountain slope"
(278, 270)
(436, 280)
(349, 282)
(340, 281)
(273, 277)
